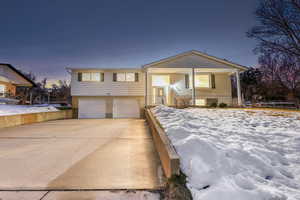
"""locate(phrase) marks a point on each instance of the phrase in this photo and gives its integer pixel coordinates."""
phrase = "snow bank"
(21, 109)
(236, 154)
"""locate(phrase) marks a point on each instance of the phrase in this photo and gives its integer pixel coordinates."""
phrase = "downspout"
(193, 87)
(239, 93)
(146, 88)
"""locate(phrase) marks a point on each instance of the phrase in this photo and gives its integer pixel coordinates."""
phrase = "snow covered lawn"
(21, 109)
(236, 154)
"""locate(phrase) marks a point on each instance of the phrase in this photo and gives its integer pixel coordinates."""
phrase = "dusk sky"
(49, 35)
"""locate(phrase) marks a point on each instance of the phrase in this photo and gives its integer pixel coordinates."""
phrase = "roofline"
(196, 52)
(99, 68)
(19, 73)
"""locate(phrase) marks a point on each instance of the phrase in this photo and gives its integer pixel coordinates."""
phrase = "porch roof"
(195, 59)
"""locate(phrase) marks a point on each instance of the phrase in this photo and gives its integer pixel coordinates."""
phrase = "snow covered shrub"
(183, 101)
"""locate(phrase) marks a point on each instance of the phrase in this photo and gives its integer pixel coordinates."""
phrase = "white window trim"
(91, 77)
(209, 80)
(125, 73)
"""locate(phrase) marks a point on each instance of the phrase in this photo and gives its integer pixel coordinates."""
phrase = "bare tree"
(289, 75)
(61, 92)
(58, 92)
(279, 44)
(279, 29)
(280, 74)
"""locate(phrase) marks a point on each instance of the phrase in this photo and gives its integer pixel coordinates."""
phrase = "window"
(160, 80)
(202, 80)
(130, 77)
(86, 76)
(200, 102)
(121, 77)
(2, 90)
(91, 76)
(95, 77)
(125, 77)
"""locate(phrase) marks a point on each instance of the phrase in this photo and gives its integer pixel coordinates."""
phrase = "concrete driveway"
(79, 154)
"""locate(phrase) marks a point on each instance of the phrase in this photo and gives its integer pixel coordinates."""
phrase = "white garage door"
(91, 108)
(126, 108)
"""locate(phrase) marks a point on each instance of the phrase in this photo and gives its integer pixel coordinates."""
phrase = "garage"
(89, 108)
(126, 108)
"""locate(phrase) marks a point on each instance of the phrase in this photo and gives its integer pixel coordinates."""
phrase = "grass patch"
(250, 112)
(278, 114)
(272, 113)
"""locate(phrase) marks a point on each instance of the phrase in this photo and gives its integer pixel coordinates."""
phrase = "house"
(193, 76)
(10, 79)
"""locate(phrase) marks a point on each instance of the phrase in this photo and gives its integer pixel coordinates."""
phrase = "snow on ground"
(236, 154)
(6, 109)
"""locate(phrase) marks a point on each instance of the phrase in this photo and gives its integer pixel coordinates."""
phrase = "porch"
(190, 86)
(192, 78)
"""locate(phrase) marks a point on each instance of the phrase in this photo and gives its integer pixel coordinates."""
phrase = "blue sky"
(47, 36)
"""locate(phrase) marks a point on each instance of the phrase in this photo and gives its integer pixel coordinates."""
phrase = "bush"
(177, 189)
(222, 105)
(213, 105)
(64, 108)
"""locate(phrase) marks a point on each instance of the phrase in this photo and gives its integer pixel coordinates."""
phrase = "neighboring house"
(10, 79)
(193, 76)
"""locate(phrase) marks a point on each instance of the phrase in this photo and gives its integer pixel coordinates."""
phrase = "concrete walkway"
(79, 154)
(79, 195)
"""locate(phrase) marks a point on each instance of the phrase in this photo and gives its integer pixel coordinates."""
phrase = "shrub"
(177, 188)
(222, 105)
(213, 105)
(64, 108)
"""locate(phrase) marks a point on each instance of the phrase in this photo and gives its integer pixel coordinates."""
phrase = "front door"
(159, 95)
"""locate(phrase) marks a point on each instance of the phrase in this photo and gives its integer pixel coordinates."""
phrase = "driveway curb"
(167, 154)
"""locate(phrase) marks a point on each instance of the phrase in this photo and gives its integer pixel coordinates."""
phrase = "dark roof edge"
(216, 59)
(19, 73)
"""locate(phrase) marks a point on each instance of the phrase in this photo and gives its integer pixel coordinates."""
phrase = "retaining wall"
(20, 119)
(167, 154)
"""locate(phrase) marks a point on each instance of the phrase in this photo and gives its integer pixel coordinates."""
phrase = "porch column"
(238, 84)
(193, 87)
(146, 87)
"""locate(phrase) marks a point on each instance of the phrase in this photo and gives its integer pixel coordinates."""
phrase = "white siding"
(108, 87)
